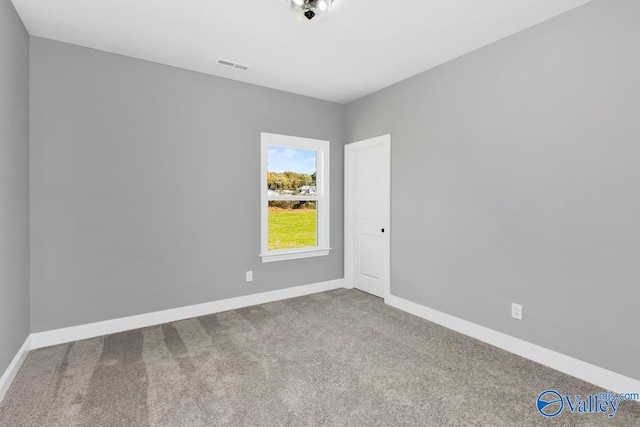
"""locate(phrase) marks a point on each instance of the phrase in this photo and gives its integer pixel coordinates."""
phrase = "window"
(294, 197)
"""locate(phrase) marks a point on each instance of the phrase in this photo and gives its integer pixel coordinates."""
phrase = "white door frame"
(349, 264)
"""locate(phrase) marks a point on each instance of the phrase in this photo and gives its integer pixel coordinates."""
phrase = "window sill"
(294, 254)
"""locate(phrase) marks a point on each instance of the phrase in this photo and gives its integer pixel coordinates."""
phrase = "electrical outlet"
(249, 276)
(516, 311)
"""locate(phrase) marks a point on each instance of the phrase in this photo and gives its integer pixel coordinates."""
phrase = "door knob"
(382, 230)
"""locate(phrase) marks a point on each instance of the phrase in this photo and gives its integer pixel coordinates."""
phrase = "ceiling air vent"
(230, 64)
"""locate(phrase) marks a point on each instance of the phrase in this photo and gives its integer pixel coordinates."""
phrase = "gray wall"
(516, 177)
(145, 186)
(14, 184)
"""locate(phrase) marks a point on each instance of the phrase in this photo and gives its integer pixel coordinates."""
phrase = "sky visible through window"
(285, 159)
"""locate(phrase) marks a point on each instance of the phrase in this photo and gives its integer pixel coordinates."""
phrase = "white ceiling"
(361, 47)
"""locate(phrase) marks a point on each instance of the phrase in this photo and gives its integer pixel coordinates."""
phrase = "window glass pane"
(292, 224)
(291, 171)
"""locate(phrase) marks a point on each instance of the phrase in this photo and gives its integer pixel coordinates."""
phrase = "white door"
(367, 215)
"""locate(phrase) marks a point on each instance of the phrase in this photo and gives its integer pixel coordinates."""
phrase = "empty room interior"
(320, 212)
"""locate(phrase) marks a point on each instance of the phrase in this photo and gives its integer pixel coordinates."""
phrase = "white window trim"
(322, 196)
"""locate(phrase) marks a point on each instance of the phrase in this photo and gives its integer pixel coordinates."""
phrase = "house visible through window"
(295, 197)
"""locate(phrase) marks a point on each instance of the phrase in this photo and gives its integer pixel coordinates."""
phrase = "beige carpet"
(332, 359)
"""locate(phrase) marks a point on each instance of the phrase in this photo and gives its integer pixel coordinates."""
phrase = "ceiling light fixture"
(310, 10)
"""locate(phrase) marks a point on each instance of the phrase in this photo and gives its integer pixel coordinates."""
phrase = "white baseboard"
(12, 370)
(91, 330)
(601, 377)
